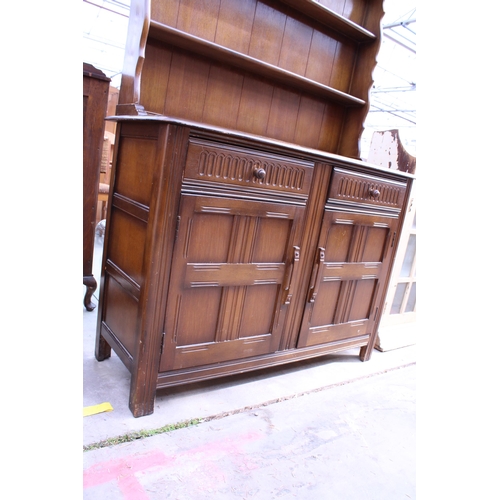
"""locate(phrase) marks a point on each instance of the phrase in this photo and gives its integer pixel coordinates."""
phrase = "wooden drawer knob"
(375, 193)
(259, 172)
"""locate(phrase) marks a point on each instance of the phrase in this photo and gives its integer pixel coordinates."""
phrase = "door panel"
(398, 326)
(232, 279)
(352, 259)
(196, 328)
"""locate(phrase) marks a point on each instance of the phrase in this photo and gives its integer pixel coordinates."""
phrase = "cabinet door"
(232, 280)
(351, 264)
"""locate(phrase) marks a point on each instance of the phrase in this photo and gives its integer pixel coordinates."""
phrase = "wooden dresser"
(243, 231)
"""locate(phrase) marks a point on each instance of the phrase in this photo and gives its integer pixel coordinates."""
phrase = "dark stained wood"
(155, 79)
(352, 257)
(95, 102)
(252, 64)
(201, 62)
(237, 235)
(267, 33)
(237, 257)
(332, 14)
(234, 25)
(216, 267)
(223, 85)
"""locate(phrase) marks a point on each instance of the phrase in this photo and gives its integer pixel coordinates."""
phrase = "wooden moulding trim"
(131, 207)
(123, 279)
(201, 47)
(251, 193)
(210, 132)
(361, 208)
(324, 15)
(197, 374)
(92, 72)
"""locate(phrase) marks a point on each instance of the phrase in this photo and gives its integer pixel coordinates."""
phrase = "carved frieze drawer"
(353, 187)
(246, 168)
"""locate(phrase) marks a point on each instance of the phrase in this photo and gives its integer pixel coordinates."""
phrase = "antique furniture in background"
(242, 230)
(107, 156)
(398, 327)
(95, 100)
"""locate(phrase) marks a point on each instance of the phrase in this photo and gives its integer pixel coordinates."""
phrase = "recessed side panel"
(135, 172)
(121, 317)
(126, 245)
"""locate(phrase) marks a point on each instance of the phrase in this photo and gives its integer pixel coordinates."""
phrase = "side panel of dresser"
(137, 252)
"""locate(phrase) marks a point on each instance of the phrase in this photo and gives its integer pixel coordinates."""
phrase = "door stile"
(310, 232)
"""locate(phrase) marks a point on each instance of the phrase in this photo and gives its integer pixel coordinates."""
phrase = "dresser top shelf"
(205, 48)
(330, 19)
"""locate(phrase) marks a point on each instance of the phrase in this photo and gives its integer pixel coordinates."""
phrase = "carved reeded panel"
(214, 163)
(360, 188)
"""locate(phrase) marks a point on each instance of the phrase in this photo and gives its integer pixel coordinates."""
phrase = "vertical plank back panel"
(283, 114)
(354, 11)
(335, 5)
(333, 121)
(322, 54)
(255, 105)
(199, 17)
(155, 77)
(187, 87)
(267, 34)
(295, 46)
(223, 96)
(351, 9)
(361, 84)
(234, 25)
(343, 67)
(309, 121)
(165, 12)
(276, 68)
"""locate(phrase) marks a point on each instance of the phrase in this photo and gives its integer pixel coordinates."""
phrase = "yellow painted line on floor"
(92, 410)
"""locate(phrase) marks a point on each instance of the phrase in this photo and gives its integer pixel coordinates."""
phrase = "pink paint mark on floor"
(124, 470)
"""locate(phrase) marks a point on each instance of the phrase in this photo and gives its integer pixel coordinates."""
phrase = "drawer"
(354, 187)
(252, 169)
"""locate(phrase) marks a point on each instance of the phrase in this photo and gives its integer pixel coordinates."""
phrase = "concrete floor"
(332, 428)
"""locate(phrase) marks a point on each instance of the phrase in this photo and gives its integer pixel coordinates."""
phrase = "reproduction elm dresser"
(243, 231)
